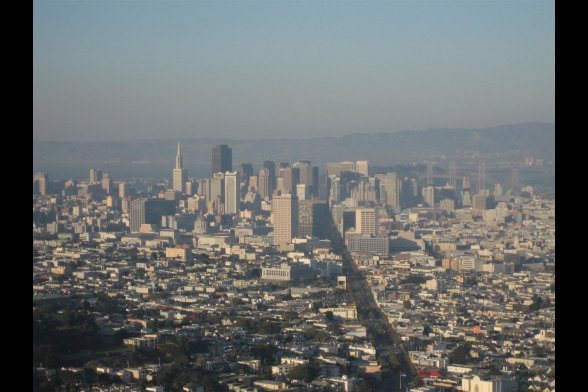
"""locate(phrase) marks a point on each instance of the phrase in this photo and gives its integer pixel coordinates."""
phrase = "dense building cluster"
(234, 282)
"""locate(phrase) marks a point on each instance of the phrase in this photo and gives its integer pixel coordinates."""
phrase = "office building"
(362, 167)
(368, 244)
(232, 192)
(304, 173)
(122, 190)
(149, 211)
(42, 182)
(222, 159)
(106, 183)
(479, 202)
(302, 192)
(95, 176)
(179, 173)
(285, 218)
(429, 196)
(264, 182)
(366, 221)
(447, 205)
(313, 218)
(286, 176)
(391, 187)
(217, 187)
(245, 171)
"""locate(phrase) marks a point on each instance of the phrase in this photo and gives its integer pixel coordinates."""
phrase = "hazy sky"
(112, 70)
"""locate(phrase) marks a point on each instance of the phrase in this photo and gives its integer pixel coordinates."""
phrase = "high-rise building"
(285, 218)
(479, 202)
(362, 167)
(179, 173)
(366, 220)
(429, 173)
(481, 177)
(409, 192)
(447, 205)
(203, 188)
(392, 188)
(106, 183)
(122, 190)
(334, 189)
(42, 181)
(304, 173)
(95, 176)
(452, 173)
(429, 195)
(302, 192)
(232, 192)
(271, 166)
(149, 211)
(190, 187)
(264, 183)
(222, 159)
(286, 176)
(245, 171)
(253, 184)
(313, 218)
(217, 187)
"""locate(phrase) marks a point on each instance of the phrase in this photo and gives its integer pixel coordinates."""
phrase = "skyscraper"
(286, 175)
(232, 192)
(481, 177)
(42, 182)
(265, 184)
(304, 173)
(179, 173)
(452, 173)
(149, 211)
(429, 195)
(362, 167)
(122, 190)
(429, 173)
(313, 218)
(245, 171)
(217, 187)
(106, 183)
(366, 220)
(285, 218)
(222, 159)
(95, 176)
(302, 191)
(392, 187)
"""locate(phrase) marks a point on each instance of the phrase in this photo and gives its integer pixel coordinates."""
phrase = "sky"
(122, 70)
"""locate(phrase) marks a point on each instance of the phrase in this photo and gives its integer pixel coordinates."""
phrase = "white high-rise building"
(179, 173)
(429, 195)
(232, 194)
(285, 218)
(366, 221)
(302, 191)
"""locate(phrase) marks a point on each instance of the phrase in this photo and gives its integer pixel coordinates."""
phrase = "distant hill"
(140, 157)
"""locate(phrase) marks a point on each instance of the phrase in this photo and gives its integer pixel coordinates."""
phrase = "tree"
(407, 304)
(329, 315)
(298, 372)
(460, 354)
